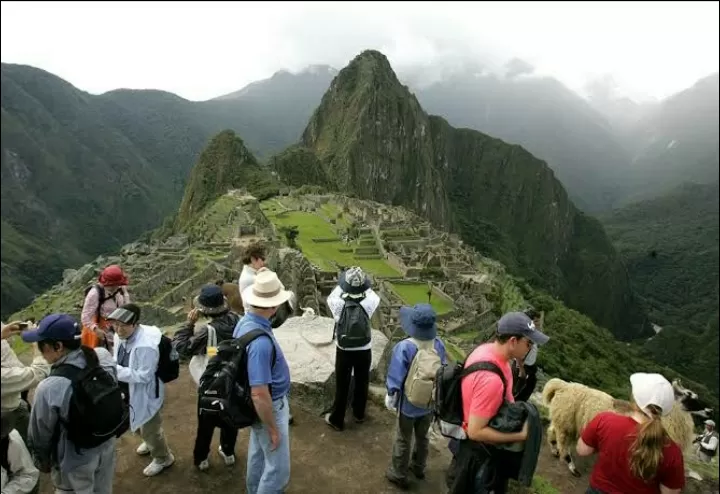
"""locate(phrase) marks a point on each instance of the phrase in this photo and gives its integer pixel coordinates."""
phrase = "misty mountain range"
(83, 174)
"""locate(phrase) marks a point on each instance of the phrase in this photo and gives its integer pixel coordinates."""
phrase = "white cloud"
(201, 50)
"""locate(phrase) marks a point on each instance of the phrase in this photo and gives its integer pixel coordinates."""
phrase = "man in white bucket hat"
(268, 463)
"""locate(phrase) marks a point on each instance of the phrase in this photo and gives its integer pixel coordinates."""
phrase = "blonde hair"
(647, 449)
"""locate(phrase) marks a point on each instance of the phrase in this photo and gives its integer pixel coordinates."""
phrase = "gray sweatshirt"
(52, 400)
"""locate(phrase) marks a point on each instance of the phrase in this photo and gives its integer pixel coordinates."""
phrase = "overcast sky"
(202, 50)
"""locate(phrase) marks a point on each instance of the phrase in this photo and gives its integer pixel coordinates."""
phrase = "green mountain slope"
(85, 174)
(670, 246)
(374, 141)
(224, 165)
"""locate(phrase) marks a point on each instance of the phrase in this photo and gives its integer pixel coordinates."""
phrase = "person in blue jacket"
(419, 322)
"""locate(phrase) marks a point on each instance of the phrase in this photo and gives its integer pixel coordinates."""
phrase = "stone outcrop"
(309, 349)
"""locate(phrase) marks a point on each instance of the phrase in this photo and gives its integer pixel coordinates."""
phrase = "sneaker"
(204, 465)
(359, 421)
(143, 449)
(228, 459)
(155, 467)
(402, 484)
(327, 421)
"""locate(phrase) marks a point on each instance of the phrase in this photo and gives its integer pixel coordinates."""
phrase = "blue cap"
(53, 327)
(518, 323)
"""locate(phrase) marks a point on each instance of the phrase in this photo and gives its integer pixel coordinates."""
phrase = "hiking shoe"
(402, 484)
(359, 421)
(419, 474)
(228, 459)
(155, 467)
(143, 449)
(328, 422)
(204, 465)
(291, 420)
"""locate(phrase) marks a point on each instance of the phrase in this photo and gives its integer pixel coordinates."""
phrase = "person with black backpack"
(352, 304)
(146, 360)
(263, 378)
(78, 411)
(201, 344)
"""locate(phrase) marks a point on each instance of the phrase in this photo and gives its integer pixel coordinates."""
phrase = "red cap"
(113, 276)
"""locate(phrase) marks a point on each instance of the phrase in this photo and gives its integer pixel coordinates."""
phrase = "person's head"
(419, 321)
(211, 302)
(56, 335)
(653, 397)
(517, 334)
(709, 425)
(266, 294)
(534, 315)
(125, 320)
(254, 255)
(354, 282)
(112, 277)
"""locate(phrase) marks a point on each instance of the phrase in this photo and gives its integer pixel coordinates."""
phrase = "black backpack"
(224, 390)
(168, 368)
(448, 395)
(97, 409)
(353, 328)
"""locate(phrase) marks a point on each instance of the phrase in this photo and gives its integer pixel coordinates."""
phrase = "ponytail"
(647, 448)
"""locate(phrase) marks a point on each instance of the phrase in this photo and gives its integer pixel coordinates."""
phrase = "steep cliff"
(373, 140)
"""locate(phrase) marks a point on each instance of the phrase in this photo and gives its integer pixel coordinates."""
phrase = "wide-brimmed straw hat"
(266, 291)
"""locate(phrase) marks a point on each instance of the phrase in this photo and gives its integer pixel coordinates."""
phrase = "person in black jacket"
(188, 342)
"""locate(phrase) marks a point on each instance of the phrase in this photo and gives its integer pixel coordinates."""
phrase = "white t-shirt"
(336, 303)
(247, 277)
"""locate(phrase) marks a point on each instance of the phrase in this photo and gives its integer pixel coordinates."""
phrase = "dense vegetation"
(670, 246)
(83, 174)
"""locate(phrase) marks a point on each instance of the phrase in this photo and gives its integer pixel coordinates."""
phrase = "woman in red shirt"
(635, 453)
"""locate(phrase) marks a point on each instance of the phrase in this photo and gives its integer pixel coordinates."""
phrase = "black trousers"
(348, 363)
(206, 428)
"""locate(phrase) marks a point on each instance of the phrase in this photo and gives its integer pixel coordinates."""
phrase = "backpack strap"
(485, 366)
(253, 334)
(67, 371)
(211, 336)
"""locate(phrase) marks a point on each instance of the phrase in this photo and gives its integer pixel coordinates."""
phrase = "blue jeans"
(268, 472)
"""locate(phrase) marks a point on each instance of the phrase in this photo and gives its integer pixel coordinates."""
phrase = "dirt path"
(323, 460)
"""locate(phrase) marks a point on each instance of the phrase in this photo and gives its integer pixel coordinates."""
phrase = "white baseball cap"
(652, 389)
(710, 423)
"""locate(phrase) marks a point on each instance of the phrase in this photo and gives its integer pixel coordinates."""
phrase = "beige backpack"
(420, 381)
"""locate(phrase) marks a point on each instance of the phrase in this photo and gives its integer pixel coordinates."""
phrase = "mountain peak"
(225, 164)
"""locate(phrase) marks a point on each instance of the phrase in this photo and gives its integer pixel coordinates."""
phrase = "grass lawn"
(416, 293)
(322, 253)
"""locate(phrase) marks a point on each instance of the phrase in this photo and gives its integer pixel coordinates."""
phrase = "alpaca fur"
(573, 405)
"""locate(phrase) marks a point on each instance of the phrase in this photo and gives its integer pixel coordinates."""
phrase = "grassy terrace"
(416, 293)
(314, 226)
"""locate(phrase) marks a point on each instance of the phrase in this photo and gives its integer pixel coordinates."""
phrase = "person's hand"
(274, 439)
(193, 316)
(100, 334)
(390, 402)
(12, 328)
(525, 430)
